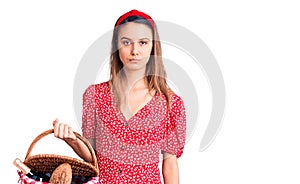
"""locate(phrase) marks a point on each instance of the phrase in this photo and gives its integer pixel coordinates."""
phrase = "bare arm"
(170, 169)
(65, 132)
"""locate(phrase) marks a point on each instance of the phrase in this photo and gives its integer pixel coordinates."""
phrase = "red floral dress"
(128, 151)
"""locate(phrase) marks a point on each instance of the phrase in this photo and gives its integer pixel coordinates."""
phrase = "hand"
(63, 131)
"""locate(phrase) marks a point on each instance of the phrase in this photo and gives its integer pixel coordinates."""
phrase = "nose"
(134, 49)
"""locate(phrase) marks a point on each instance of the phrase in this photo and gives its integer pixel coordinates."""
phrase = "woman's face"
(135, 45)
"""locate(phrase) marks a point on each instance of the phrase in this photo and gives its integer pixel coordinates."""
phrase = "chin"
(134, 67)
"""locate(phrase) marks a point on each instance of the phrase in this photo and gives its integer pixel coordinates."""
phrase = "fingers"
(63, 131)
(71, 133)
(55, 122)
(55, 127)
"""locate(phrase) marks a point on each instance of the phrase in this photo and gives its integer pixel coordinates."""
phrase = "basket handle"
(84, 140)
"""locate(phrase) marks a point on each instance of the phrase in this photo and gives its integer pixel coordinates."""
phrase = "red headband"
(135, 13)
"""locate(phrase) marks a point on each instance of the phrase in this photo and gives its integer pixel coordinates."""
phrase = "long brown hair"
(155, 74)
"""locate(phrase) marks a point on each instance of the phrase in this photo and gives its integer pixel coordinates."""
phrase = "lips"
(134, 60)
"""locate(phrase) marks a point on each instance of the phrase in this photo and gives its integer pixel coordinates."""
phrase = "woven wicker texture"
(49, 162)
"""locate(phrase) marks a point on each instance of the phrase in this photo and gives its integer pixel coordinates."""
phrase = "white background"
(256, 44)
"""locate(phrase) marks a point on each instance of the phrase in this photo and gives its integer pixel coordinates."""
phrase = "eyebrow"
(124, 37)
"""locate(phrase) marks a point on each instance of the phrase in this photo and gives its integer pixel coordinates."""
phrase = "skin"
(135, 45)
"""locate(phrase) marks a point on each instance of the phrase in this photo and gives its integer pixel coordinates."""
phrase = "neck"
(135, 80)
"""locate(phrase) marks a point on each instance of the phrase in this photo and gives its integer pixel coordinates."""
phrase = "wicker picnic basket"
(47, 163)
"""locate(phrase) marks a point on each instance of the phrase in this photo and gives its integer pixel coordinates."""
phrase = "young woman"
(134, 116)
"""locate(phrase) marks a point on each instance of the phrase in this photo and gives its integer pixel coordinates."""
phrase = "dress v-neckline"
(123, 117)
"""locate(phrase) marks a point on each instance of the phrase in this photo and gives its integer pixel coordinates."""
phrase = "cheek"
(147, 51)
(147, 54)
(123, 53)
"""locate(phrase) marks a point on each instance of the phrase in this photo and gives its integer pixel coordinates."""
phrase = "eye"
(143, 42)
(125, 42)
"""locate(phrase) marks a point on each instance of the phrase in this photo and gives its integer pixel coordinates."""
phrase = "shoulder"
(175, 97)
(104, 86)
(93, 89)
(176, 102)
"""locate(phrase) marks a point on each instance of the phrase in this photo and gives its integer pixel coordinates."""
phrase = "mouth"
(134, 60)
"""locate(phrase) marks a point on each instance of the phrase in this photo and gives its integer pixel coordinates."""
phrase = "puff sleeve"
(89, 113)
(175, 128)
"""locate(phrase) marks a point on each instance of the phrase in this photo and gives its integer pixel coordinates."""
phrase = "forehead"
(135, 31)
